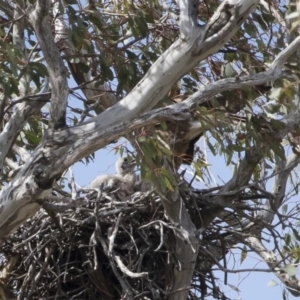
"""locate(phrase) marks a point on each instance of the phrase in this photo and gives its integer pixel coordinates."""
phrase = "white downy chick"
(123, 180)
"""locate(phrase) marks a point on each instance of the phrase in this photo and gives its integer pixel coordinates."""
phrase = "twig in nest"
(124, 269)
(112, 237)
(161, 237)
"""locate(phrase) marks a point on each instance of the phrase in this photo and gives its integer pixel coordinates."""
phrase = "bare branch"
(275, 12)
(283, 172)
(24, 155)
(125, 270)
(181, 57)
(39, 19)
(188, 19)
(274, 72)
(271, 260)
(13, 165)
(23, 110)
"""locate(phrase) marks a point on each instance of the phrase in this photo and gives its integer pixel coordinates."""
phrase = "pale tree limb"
(13, 165)
(23, 110)
(21, 152)
(266, 216)
(210, 90)
(15, 124)
(241, 179)
(176, 61)
(274, 12)
(274, 263)
(27, 108)
(249, 230)
(188, 23)
(274, 72)
(283, 172)
(17, 121)
(19, 43)
(39, 19)
(186, 242)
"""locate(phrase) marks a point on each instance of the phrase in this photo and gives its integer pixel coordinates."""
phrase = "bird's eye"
(125, 159)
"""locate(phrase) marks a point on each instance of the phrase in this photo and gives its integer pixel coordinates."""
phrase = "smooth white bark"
(57, 71)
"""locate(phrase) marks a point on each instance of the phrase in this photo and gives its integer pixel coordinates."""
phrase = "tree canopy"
(76, 76)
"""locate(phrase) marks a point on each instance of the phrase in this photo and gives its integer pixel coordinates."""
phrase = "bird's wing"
(102, 179)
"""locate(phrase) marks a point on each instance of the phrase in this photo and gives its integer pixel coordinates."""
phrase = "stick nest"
(93, 247)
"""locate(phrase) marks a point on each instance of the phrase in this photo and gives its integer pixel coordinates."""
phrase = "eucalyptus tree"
(76, 76)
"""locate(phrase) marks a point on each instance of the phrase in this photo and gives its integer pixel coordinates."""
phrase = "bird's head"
(125, 165)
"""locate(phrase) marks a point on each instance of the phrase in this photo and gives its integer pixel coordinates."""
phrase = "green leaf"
(287, 239)
(284, 294)
(284, 209)
(141, 26)
(278, 150)
(95, 20)
(275, 93)
(71, 2)
(148, 151)
(164, 126)
(131, 55)
(168, 184)
(39, 68)
(234, 288)
(159, 180)
(243, 254)
(294, 292)
(32, 138)
(237, 148)
(296, 234)
(290, 270)
(272, 283)
(277, 125)
(198, 171)
(211, 147)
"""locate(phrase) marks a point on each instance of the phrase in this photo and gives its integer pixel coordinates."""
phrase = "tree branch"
(23, 110)
(186, 242)
(188, 24)
(271, 260)
(17, 121)
(176, 61)
(39, 19)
